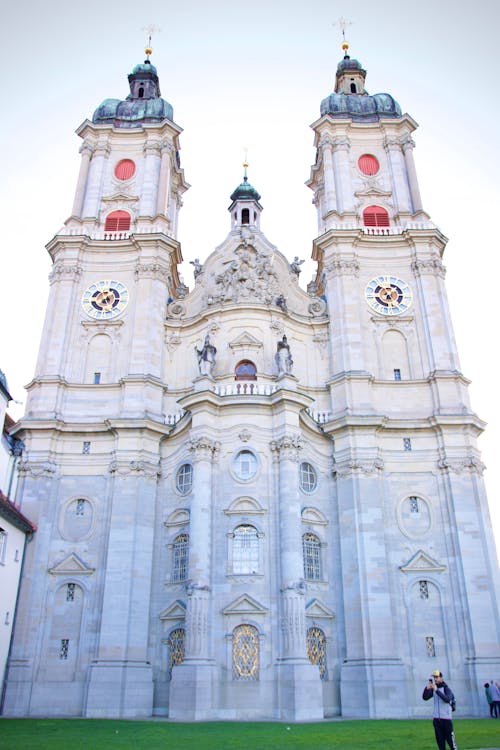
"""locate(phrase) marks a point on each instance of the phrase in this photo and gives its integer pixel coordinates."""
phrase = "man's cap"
(437, 673)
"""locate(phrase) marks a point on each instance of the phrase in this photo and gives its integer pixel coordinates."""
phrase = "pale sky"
(252, 75)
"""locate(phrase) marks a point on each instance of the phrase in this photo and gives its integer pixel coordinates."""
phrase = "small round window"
(245, 465)
(368, 164)
(125, 169)
(308, 477)
(184, 479)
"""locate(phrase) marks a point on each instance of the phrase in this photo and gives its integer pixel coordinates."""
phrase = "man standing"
(443, 698)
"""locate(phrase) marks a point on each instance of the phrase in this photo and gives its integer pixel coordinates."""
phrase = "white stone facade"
(237, 534)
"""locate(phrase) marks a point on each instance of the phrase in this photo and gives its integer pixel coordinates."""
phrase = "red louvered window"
(125, 169)
(117, 221)
(368, 164)
(375, 216)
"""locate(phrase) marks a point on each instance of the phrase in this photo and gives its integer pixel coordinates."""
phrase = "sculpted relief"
(249, 275)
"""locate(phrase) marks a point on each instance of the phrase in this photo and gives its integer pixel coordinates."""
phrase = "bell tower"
(401, 422)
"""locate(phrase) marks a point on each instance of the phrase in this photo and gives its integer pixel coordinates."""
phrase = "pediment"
(372, 191)
(245, 340)
(244, 506)
(317, 609)
(179, 517)
(421, 562)
(120, 198)
(175, 611)
(313, 516)
(73, 565)
(245, 605)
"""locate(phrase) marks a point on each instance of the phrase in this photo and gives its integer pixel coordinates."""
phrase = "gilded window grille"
(245, 653)
(316, 649)
(176, 648)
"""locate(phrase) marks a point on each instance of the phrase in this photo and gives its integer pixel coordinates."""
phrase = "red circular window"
(125, 169)
(368, 164)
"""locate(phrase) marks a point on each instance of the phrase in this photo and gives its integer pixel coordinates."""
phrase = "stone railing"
(393, 229)
(100, 234)
(320, 417)
(246, 389)
(172, 419)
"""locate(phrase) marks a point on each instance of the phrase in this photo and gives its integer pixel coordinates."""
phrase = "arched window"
(316, 649)
(176, 648)
(245, 216)
(311, 550)
(308, 477)
(375, 216)
(245, 549)
(125, 169)
(141, 92)
(368, 164)
(180, 558)
(184, 479)
(117, 221)
(353, 88)
(245, 370)
(245, 653)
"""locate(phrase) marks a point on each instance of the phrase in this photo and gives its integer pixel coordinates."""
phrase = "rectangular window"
(63, 651)
(407, 444)
(429, 646)
(86, 446)
(3, 545)
(97, 378)
(397, 374)
(70, 592)
(424, 590)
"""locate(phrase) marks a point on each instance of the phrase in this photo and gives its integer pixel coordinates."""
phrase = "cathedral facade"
(252, 501)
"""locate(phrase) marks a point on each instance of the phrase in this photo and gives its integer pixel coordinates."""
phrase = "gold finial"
(150, 30)
(342, 23)
(245, 163)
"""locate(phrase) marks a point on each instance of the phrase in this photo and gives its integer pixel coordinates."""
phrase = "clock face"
(104, 300)
(388, 295)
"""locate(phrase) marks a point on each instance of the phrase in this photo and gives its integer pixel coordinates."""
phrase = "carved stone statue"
(296, 265)
(283, 357)
(198, 268)
(206, 357)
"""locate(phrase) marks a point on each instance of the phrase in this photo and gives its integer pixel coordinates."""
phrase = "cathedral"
(253, 501)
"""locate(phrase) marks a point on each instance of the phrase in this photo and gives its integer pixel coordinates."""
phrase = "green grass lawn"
(96, 734)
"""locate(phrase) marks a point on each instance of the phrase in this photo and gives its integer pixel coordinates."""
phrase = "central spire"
(245, 208)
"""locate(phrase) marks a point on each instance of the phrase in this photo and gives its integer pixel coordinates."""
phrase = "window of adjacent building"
(414, 504)
(64, 648)
(125, 169)
(424, 589)
(245, 464)
(184, 479)
(3, 545)
(407, 444)
(97, 378)
(176, 648)
(245, 549)
(245, 370)
(316, 649)
(70, 592)
(375, 216)
(368, 164)
(180, 558)
(117, 221)
(80, 507)
(245, 653)
(311, 550)
(308, 477)
(397, 374)
(86, 446)
(430, 646)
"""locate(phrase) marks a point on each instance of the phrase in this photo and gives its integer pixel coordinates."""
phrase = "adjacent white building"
(253, 501)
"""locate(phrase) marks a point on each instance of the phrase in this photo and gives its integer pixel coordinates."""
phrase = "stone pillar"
(299, 683)
(86, 151)
(164, 181)
(150, 180)
(408, 146)
(342, 174)
(121, 679)
(93, 193)
(329, 177)
(400, 186)
(192, 684)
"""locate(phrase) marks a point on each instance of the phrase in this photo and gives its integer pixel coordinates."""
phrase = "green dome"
(245, 192)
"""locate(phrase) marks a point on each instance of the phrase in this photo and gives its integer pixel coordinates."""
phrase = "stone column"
(342, 174)
(299, 683)
(150, 181)
(399, 176)
(93, 193)
(329, 177)
(192, 684)
(86, 151)
(164, 181)
(408, 146)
